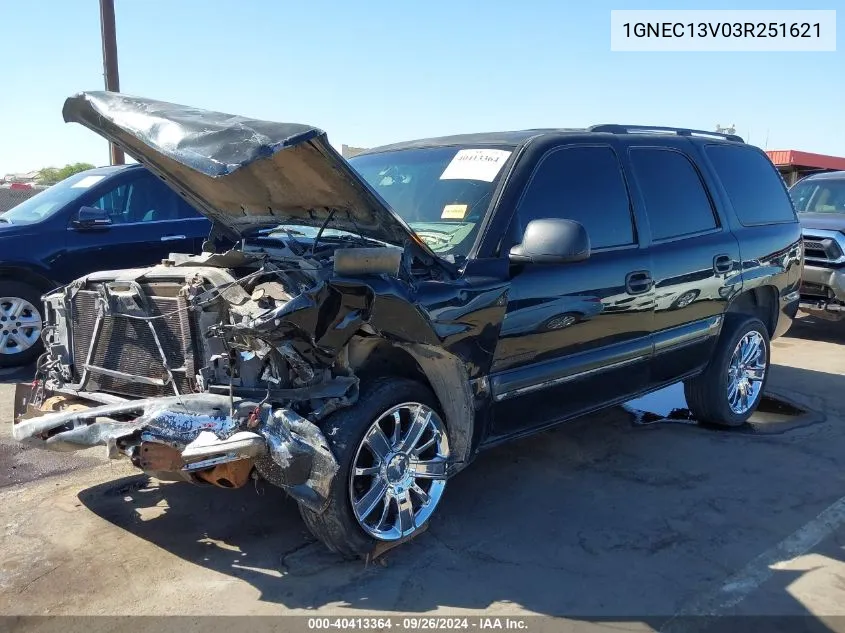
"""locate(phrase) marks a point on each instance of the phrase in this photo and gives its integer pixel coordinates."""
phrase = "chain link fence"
(12, 197)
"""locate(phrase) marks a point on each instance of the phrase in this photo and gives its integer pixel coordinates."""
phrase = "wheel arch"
(444, 373)
(25, 274)
(760, 302)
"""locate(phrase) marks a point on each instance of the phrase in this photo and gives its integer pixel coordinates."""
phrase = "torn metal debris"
(192, 434)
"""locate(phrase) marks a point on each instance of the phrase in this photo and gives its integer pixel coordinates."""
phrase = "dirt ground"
(647, 524)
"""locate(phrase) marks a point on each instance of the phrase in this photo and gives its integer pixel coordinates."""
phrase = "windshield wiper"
(2, 219)
(428, 230)
(282, 229)
(354, 239)
(292, 233)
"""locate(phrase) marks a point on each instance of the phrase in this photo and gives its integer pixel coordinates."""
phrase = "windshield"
(441, 192)
(309, 234)
(819, 196)
(41, 206)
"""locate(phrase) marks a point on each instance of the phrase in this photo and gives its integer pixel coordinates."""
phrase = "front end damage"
(197, 438)
(210, 369)
(224, 367)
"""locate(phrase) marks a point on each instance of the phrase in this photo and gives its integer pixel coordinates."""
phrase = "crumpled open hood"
(243, 174)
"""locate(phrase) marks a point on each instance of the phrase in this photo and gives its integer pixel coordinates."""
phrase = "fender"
(449, 329)
(32, 273)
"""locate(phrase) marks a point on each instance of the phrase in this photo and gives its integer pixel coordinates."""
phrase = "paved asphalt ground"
(19, 464)
(661, 526)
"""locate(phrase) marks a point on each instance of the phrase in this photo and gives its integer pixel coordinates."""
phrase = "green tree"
(52, 175)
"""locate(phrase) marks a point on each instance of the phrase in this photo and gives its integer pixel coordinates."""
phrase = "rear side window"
(752, 183)
(584, 184)
(674, 195)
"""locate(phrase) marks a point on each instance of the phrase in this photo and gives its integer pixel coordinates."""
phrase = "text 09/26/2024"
(417, 623)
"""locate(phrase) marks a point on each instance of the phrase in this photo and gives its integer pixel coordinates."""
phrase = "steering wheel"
(479, 206)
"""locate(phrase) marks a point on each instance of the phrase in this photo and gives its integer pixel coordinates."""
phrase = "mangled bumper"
(189, 436)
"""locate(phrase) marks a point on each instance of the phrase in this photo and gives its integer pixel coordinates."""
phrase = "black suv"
(384, 319)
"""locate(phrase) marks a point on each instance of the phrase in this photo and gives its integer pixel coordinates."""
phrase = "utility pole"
(110, 73)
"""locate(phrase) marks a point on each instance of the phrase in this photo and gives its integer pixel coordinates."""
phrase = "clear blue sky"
(372, 72)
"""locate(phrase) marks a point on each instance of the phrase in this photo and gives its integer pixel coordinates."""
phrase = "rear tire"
(725, 394)
(362, 475)
(21, 322)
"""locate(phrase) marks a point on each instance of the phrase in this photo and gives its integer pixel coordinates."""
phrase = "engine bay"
(210, 368)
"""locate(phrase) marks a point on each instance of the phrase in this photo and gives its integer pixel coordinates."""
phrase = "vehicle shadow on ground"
(12, 375)
(597, 517)
(810, 328)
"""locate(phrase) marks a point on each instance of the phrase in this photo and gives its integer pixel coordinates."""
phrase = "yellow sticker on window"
(454, 212)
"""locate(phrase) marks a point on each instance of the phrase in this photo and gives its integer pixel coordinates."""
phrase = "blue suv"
(105, 218)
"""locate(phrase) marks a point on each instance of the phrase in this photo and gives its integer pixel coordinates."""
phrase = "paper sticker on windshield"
(87, 182)
(454, 212)
(476, 164)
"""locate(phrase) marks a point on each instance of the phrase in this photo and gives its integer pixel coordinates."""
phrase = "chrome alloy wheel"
(560, 322)
(399, 471)
(20, 325)
(746, 372)
(685, 299)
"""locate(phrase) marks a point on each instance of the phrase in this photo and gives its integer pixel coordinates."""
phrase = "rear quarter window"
(755, 188)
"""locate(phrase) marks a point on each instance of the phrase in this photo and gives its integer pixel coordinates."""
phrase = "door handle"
(723, 263)
(638, 282)
(170, 238)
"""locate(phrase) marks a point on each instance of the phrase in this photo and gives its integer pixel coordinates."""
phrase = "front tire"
(729, 390)
(392, 450)
(21, 323)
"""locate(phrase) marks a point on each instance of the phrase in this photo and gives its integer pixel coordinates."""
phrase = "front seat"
(140, 207)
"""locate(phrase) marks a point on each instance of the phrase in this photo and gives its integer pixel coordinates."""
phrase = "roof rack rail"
(614, 128)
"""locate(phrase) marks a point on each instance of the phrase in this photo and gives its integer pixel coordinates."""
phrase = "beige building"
(347, 151)
(794, 165)
(25, 177)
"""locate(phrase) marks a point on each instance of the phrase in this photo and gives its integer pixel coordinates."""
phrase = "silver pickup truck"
(820, 203)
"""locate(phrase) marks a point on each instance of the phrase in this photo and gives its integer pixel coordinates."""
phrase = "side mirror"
(91, 218)
(552, 241)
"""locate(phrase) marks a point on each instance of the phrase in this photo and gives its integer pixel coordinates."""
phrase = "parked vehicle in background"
(105, 218)
(820, 202)
(405, 309)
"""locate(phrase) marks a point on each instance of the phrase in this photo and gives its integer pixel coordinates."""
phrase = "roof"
(518, 137)
(512, 138)
(112, 169)
(827, 175)
(794, 158)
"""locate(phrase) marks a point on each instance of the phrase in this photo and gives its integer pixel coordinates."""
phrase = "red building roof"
(794, 158)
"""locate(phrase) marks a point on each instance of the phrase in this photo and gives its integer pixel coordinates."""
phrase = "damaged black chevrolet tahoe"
(382, 320)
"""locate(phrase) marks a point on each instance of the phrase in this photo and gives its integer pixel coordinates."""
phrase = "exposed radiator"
(127, 345)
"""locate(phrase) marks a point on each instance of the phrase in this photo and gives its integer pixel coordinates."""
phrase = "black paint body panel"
(539, 342)
(542, 343)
